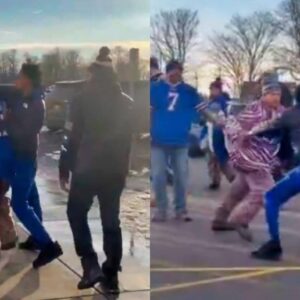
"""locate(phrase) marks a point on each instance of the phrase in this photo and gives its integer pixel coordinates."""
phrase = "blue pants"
(219, 146)
(25, 199)
(281, 193)
(178, 158)
(20, 174)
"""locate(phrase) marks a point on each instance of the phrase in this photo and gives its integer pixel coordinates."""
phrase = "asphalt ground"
(189, 261)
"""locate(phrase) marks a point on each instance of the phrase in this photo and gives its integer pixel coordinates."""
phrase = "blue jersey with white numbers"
(173, 109)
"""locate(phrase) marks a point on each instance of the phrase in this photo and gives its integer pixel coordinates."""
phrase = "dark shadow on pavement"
(28, 284)
(18, 261)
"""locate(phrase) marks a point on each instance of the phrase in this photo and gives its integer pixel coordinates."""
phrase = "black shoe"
(110, 284)
(269, 251)
(214, 186)
(51, 252)
(30, 244)
(92, 273)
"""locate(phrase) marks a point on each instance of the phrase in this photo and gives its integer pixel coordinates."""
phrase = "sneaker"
(110, 284)
(51, 252)
(214, 186)
(269, 251)
(159, 217)
(244, 232)
(183, 216)
(30, 244)
(92, 273)
(222, 226)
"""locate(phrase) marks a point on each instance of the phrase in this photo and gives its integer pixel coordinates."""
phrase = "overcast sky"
(40, 24)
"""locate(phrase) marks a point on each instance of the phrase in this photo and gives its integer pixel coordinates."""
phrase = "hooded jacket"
(100, 138)
(23, 121)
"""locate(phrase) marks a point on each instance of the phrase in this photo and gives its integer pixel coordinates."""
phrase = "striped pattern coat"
(252, 153)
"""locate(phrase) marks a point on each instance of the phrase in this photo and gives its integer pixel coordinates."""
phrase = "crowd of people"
(256, 149)
(101, 116)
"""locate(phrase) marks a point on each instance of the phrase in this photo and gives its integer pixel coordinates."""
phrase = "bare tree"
(29, 58)
(51, 65)
(287, 56)
(61, 65)
(120, 57)
(256, 35)
(227, 55)
(173, 33)
(8, 65)
(247, 43)
(71, 61)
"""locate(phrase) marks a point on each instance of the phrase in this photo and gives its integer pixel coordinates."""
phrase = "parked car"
(57, 99)
(235, 106)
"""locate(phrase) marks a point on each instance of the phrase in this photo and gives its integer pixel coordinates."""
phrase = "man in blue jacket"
(218, 156)
(23, 123)
(173, 105)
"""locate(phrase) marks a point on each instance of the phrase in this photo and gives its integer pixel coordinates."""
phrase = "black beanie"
(104, 55)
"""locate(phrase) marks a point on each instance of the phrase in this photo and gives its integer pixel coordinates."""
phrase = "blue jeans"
(20, 175)
(25, 200)
(178, 158)
(281, 193)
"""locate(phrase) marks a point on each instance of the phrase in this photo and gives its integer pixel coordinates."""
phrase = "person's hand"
(64, 184)
(248, 133)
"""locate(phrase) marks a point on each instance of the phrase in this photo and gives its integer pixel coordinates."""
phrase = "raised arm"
(215, 118)
(276, 123)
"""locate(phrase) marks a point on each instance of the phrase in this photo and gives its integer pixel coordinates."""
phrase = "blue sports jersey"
(173, 109)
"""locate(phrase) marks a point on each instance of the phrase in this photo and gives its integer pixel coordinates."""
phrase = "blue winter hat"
(174, 65)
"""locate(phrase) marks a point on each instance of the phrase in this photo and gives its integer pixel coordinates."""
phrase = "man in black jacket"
(23, 123)
(97, 153)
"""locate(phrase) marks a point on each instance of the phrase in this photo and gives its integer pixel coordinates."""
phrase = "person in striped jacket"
(253, 158)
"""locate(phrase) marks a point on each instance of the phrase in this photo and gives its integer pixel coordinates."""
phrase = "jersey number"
(173, 97)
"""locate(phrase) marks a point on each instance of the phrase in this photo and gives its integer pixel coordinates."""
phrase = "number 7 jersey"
(173, 108)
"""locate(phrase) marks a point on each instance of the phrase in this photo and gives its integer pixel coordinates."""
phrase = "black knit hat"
(32, 71)
(104, 55)
(103, 60)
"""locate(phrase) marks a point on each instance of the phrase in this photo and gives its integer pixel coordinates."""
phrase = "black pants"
(80, 201)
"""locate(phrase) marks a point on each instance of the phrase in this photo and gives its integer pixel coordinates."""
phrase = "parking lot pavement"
(59, 279)
(189, 261)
